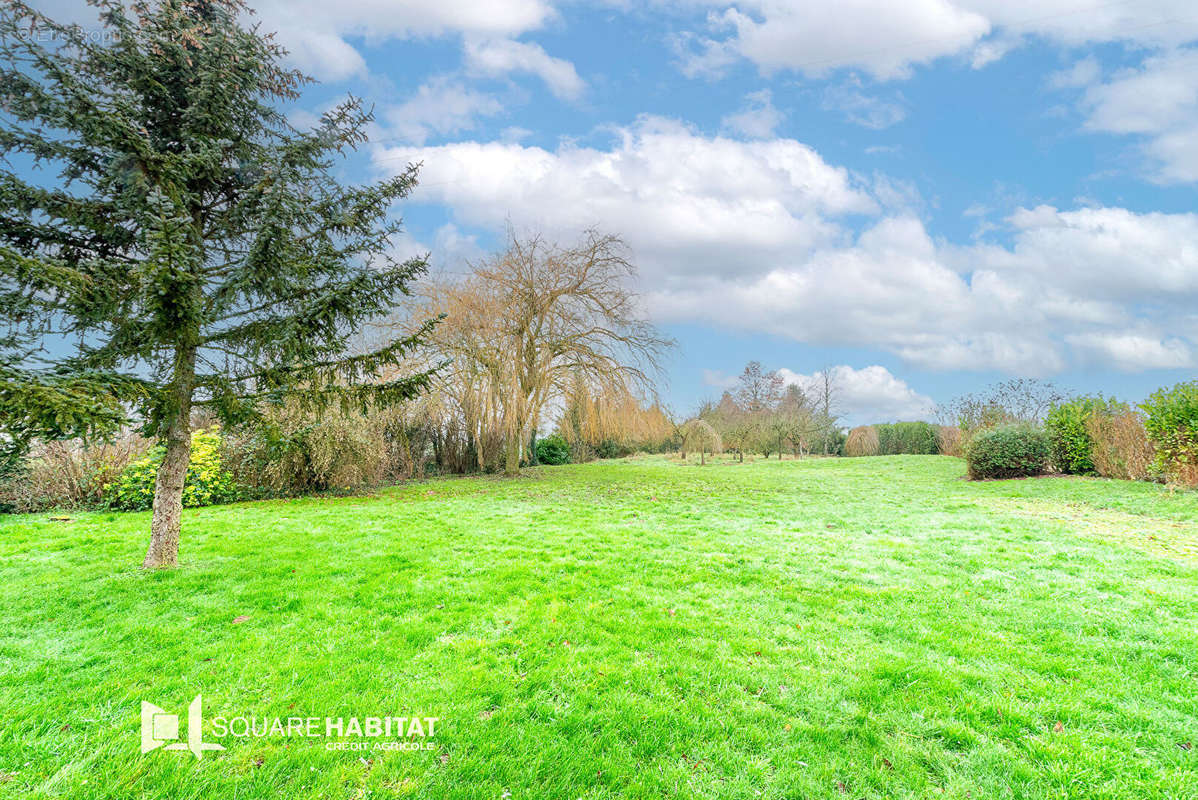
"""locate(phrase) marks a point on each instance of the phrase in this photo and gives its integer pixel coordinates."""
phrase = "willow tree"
(697, 434)
(592, 419)
(527, 323)
(178, 236)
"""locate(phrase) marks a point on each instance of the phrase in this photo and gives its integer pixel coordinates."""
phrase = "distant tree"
(607, 424)
(824, 391)
(190, 247)
(698, 434)
(758, 390)
(794, 420)
(736, 427)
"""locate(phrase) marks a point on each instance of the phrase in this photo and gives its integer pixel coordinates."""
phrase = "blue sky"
(928, 195)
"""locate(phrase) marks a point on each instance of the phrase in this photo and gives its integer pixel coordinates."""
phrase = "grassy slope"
(862, 628)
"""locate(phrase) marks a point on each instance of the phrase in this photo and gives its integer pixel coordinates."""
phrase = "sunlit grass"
(826, 628)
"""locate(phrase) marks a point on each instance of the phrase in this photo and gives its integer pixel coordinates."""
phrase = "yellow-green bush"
(207, 482)
(1172, 425)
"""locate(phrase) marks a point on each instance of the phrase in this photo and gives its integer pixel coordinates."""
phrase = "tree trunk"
(168, 488)
(511, 465)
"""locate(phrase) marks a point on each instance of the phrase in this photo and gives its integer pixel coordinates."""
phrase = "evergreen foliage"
(162, 216)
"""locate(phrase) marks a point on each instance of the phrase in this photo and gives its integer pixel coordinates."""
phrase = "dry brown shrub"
(68, 474)
(862, 441)
(950, 440)
(1121, 447)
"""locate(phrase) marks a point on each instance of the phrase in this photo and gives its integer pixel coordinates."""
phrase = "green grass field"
(826, 628)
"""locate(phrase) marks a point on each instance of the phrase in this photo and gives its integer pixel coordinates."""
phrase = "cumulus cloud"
(888, 39)
(1106, 255)
(817, 37)
(317, 33)
(1133, 352)
(869, 394)
(494, 57)
(1156, 102)
(759, 236)
(717, 205)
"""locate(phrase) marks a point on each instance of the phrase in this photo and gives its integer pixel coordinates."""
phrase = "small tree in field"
(698, 434)
(193, 246)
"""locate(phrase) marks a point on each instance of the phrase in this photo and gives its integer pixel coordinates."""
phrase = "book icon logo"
(158, 728)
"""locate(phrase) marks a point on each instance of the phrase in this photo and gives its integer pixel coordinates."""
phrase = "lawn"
(825, 628)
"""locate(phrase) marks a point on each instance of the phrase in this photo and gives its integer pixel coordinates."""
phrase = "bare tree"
(758, 390)
(1013, 400)
(528, 323)
(794, 421)
(736, 427)
(825, 391)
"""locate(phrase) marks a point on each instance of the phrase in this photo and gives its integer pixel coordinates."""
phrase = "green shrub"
(553, 450)
(1070, 444)
(1009, 451)
(1172, 426)
(612, 448)
(907, 438)
(207, 482)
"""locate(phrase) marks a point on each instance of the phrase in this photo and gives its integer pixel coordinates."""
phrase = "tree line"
(764, 414)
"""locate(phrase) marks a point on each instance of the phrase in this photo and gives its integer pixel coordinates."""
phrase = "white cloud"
(495, 57)
(816, 37)
(317, 32)
(1104, 254)
(1081, 74)
(758, 119)
(717, 205)
(1159, 102)
(887, 39)
(891, 289)
(758, 236)
(441, 106)
(1132, 352)
(869, 394)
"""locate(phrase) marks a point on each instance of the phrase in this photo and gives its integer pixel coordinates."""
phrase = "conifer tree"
(169, 242)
